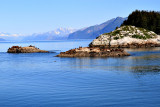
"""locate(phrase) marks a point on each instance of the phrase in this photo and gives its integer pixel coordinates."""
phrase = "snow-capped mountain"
(58, 34)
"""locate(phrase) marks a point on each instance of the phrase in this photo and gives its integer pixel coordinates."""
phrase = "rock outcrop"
(29, 49)
(127, 37)
(93, 52)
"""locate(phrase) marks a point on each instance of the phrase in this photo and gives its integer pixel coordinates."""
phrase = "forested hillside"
(145, 19)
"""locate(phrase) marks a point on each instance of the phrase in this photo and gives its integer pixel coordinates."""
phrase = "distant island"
(29, 49)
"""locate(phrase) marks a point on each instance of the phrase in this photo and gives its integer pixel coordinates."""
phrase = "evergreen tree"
(146, 19)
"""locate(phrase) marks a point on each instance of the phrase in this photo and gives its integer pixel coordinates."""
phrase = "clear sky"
(33, 16)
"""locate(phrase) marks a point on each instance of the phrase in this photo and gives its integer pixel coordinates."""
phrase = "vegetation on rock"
(131, 31)
(127, 36)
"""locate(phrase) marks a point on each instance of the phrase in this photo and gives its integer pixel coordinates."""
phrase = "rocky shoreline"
(128, 44)
(29, 49)
(127, 37)
(93, 52)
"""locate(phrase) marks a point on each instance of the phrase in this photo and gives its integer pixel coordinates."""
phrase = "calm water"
(40, 79)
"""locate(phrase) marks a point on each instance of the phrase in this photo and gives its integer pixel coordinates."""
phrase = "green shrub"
(147, 36)
(115, 32)
(138, 37)
(115, 38)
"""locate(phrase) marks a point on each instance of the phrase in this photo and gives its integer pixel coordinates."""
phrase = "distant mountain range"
(58, 34)
(94, 31)
(10, 37)
(67, 33)
(2, 39)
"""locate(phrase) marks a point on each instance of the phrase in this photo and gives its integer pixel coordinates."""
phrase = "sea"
(44, 80)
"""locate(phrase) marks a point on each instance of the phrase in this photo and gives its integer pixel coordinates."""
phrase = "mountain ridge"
(94, 31)
(1, 39)
(57, 34)
(90, 32)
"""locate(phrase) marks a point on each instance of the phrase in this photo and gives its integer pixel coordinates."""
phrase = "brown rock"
(29, 49)
(93, 52)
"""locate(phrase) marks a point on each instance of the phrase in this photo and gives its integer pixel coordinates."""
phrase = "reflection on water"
(145, 69)
(141, 61)
(144, 49)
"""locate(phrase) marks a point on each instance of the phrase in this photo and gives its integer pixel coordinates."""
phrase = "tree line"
(149, 20)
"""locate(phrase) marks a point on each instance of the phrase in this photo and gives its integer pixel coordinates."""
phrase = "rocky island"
(93, 52)
(29, 49)
(127, 37)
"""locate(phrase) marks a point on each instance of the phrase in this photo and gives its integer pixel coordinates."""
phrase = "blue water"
(42, 80)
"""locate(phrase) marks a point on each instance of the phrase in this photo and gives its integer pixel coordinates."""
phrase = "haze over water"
(40, 79)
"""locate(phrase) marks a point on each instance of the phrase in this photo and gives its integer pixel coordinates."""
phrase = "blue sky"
(33, 16)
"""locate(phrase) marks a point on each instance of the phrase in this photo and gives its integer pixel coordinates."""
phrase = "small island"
(93, 52)
(29, 49)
